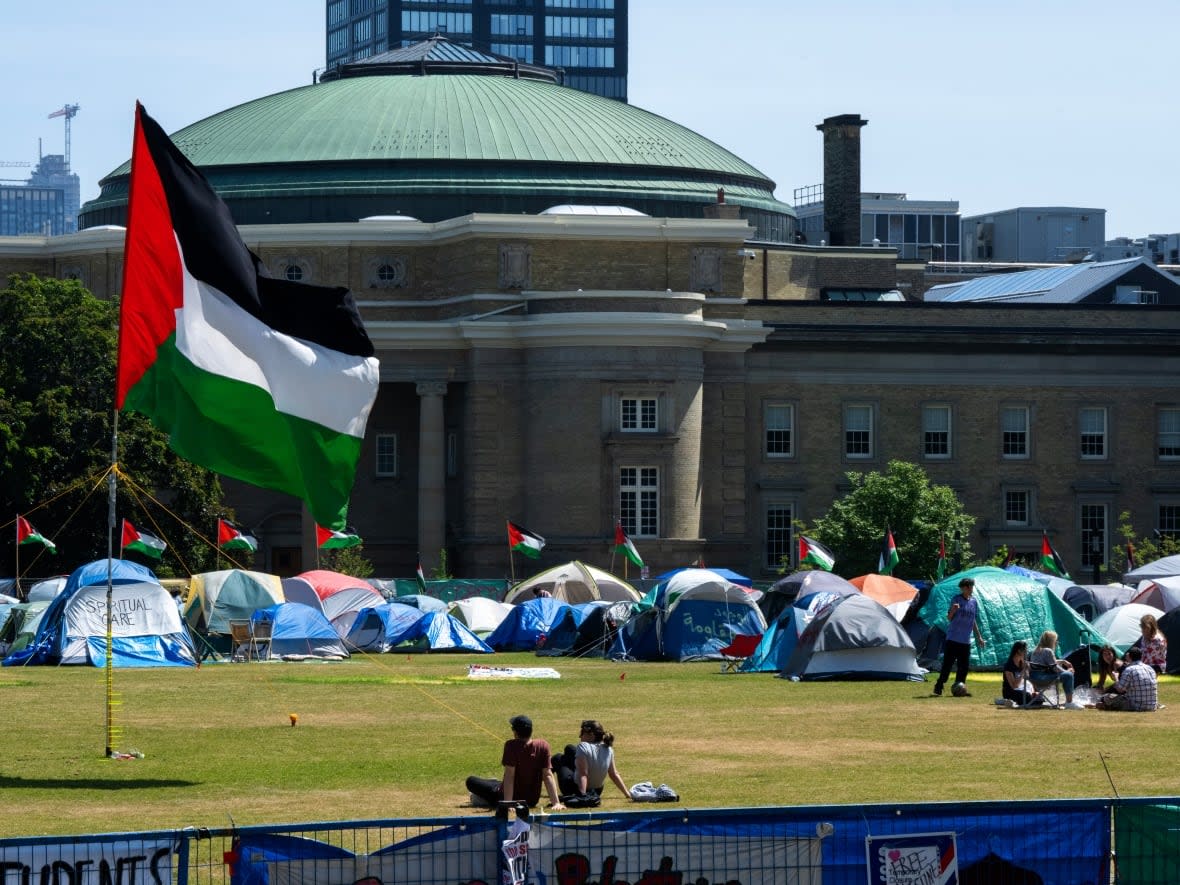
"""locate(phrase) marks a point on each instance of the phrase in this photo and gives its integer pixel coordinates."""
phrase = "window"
(1169, 521)
(386, 454)
(1017, 506)
(639, 502)
(1092, 431)
(637, 415)
(1168, 434)
(936, 431)
(1014, 432)
(778, 535)
(513, 25)
(1093, 536)
(780, 430)
(293, 272)
(858, 431)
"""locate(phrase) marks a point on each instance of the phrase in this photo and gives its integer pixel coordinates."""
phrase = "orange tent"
(886, 589)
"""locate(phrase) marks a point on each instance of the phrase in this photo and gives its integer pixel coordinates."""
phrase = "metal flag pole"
(110, 664)
(16, 547)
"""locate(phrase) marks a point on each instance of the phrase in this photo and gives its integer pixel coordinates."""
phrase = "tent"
(146, 625)
(1169, 625)
(216, 598)
(573, 583)
(422, 602)
(396, 627)
(1168, 567)
(298, 631)
(338, 597)
(782, 635)
(1091, 600)
(47, 589)
(1120, 625)
(480, 614)
(854, 637)
(19, 627)
(526, 624)
(893, 593)
(1162, 593)
(728, 574)
(695, 614)
(587, 629)
(782, 592)
(1011, 607)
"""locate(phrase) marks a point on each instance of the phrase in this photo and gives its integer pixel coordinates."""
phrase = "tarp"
(339, 597)
(396, 627)
(299, 631)
(216, 598)
(480, 614)
(1011, 607)
(854, 637)
(1168, 567)
(574, 583)
(1120, 625)
(146, 625)
(526, 624)
(694, 614)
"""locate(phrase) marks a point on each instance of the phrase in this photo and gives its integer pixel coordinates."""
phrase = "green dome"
(444, 145)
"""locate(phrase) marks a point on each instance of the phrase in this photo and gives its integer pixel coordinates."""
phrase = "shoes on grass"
(938, 691)
(1074, 705)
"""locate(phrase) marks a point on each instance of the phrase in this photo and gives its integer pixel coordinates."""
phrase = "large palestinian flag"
(263, 380)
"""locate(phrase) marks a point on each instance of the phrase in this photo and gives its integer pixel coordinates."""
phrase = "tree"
(57, 371)
(917, 513)
(1147, 549)
(349, 561)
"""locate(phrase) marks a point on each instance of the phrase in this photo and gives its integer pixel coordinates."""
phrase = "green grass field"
(395, 736)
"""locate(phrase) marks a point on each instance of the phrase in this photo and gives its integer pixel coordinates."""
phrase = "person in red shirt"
(527, 765)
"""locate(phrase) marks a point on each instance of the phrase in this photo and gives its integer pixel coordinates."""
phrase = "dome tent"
(574, 583)
(854, 637)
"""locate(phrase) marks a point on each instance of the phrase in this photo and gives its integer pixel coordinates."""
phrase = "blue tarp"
(526, 624)
(384, 628)
(300, 630)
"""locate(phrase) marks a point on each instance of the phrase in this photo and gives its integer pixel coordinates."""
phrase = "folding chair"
(740, 647)
(1042, 678)
(239, 640)
(260, 634)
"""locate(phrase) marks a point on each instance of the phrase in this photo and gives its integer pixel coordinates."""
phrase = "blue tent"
(146, 627)
(394, 626)
(299, 631)
(781, 637)
(731, 576)
(527, 623)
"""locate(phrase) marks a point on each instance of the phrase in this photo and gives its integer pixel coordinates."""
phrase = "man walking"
(956, 651)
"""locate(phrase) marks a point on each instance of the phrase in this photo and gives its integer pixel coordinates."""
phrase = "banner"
(130, 862)
(924, 859)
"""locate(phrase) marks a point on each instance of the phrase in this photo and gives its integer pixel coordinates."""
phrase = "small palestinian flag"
(521, 540)
(141, 542)
(815, 553)
(420, 576)
(26, 534)
(1051, 559)
(626, 546)
(887, 560)
(327, 539)
(229, 537)
(940, 569)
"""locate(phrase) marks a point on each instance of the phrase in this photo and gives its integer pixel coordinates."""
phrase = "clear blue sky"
(995, 105)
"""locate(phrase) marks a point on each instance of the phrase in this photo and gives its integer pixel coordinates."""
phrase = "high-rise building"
(585, 39)
(45, 205)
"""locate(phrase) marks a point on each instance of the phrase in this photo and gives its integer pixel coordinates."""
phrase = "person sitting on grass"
(583, 770)
(1136, 689)
(1016, 687)
(1109, 666)
(527, 765)
(1044, 656)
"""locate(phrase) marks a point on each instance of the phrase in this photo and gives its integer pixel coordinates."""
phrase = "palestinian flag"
(327, 539)
(523, 541)
(1051, 559)
(420, 576)
(229, 537)
(624, 545)
(141, 542)
(26, 534)
(940, 569)
(260, 379)
(887, 560)
(815, 553)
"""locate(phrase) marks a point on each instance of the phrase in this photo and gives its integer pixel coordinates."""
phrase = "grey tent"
(854, 637)
(1167, 567)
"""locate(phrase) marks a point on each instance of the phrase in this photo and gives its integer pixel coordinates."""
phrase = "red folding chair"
(740, 647)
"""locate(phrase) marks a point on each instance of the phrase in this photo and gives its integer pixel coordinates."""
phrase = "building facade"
(1034, 234)
(585, 39)
(924, 230)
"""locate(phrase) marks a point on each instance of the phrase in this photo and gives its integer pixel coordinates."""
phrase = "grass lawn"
(395, 735)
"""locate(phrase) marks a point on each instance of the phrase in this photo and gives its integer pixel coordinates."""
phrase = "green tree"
(348, 561)
(916, 511)
(1147, 549)
(57, 371)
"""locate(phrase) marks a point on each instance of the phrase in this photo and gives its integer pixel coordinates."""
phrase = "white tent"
(481, 615)
(1162, 593)
(1168, 567)
(574, 583)
(1120, 625)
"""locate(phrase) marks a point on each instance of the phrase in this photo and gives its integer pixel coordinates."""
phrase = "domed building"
(436, 131)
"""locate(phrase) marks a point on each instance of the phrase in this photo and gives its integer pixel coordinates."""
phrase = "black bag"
(581, 800)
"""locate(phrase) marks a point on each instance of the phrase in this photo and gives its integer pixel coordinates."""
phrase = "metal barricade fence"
(1056, 842)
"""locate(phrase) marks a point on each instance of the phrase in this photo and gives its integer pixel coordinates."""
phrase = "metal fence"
(1055, 842)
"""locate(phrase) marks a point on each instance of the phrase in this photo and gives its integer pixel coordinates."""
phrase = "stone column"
(432, 453)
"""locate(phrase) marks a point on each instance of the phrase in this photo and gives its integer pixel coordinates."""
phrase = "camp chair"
(260, 634)
(239, 640)
(740, 647)
(1042, 678)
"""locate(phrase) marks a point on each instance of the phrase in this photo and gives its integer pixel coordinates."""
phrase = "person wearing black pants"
(956, 651)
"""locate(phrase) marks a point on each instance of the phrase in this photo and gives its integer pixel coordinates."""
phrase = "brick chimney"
(842, 178)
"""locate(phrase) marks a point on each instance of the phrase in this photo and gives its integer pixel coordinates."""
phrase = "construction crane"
(14, 164)
(68, 111)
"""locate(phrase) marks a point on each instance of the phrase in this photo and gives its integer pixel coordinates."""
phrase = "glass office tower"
(585, 39)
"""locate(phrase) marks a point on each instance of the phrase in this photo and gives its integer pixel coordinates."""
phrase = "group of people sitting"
(1133, 677)
(578, 773)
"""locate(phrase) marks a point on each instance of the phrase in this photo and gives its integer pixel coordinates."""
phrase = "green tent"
(1011, 607)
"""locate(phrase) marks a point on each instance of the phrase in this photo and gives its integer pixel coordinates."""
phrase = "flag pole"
(16, 547)
(110, 640)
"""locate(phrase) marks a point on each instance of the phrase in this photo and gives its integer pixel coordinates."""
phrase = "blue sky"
(995, 105)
